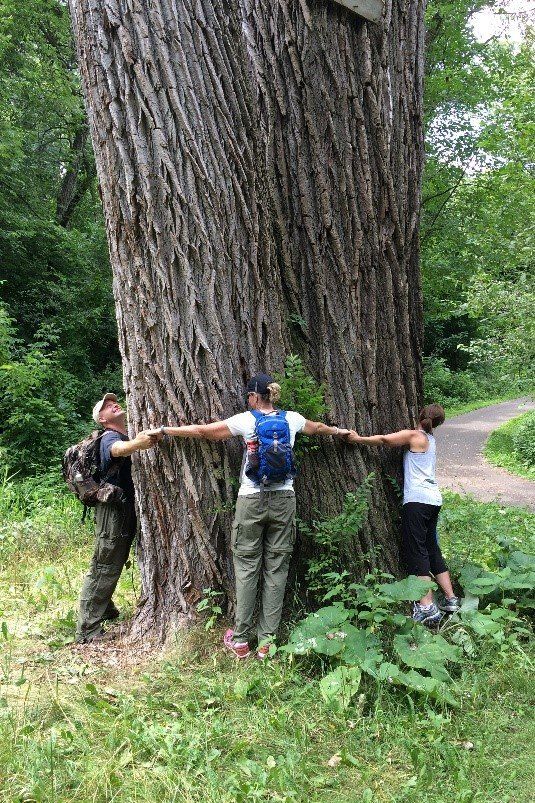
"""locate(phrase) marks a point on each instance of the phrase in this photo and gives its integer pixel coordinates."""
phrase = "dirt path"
(461, 466)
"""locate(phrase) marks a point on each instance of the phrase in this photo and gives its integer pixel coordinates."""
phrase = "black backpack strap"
(114, 466)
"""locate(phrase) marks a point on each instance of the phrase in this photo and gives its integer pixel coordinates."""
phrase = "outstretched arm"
(143, 440)
(405, 437)
(217, 431)
(318, 428)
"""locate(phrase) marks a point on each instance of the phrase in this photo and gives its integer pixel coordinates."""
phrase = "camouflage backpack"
(81, 472)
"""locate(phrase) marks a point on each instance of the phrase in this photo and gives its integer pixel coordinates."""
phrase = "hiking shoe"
(429, 616)
(450, 604)
(111, 613)
(239, 648)
(100, 635)
(263, 652)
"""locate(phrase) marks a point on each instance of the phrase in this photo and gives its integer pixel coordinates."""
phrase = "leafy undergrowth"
(191, 724)
(502, 447)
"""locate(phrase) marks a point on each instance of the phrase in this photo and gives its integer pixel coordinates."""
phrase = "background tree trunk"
(260, 165)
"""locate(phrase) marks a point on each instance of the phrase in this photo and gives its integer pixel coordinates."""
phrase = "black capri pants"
(420, 551)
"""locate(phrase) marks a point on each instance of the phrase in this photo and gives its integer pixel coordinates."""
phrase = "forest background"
(58, 343)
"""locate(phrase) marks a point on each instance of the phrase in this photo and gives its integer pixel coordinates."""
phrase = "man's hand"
(147, 439)
(143, 440)
(342, 433)
(157, 433)
(352, 436)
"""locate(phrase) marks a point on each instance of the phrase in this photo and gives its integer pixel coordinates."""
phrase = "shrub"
(451, 388)
(326, 575)
(300, 391)
(524, 441)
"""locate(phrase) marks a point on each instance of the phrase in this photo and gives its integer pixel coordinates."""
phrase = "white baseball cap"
(100, 404)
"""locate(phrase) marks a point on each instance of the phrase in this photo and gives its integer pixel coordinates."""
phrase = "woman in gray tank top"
(422, 500)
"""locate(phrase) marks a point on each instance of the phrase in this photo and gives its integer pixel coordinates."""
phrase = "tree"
(260, 168)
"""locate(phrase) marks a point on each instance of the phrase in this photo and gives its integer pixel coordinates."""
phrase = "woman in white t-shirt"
(263, 532)
(422, 501)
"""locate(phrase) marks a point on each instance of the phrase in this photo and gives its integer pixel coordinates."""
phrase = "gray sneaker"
(430, 617)
(450, 604)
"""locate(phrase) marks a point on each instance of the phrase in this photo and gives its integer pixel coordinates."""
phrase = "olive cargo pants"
(115, 528)
(263, 538)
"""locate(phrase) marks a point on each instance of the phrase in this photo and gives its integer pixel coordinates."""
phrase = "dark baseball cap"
(259, 384)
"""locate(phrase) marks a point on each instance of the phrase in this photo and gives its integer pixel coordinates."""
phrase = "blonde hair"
(274, 392)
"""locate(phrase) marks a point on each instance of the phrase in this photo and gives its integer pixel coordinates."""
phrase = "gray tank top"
(419, 483)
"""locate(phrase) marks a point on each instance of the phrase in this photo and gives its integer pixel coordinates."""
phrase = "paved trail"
(461, 466)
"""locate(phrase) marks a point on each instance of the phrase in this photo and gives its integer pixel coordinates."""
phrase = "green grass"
(469, 531)
(190, 724)
(499, 448)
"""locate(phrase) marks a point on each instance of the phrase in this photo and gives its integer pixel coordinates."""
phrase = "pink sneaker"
(239, 648)
(263, 652)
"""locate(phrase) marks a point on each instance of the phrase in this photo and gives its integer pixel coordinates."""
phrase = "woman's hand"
(353, 436)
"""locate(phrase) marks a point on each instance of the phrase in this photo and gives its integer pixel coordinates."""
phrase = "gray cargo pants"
(263, 538)
(115, 528)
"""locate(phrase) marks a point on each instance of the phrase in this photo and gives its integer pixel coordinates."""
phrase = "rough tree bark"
(260, 164)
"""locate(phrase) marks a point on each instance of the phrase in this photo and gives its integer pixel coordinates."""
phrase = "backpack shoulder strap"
(257, 415)
(115, 462)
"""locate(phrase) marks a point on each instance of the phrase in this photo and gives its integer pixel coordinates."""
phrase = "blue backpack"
(275, 455)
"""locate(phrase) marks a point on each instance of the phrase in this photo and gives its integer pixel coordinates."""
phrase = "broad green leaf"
(360, 648)
(326, 645)
(412, 588)
(423, 650)
(521, 562)
(387, 671)
(525, 580)
(314, 631)
(340, 685)
(470, 602)
(482, 624)
(463, 639)
(425, 685)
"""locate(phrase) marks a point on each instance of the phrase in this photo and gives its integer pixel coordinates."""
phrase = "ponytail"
(431, 416)
(426, 424)
(274, 392)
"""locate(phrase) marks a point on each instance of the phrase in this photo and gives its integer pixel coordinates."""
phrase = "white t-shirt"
(244, 424)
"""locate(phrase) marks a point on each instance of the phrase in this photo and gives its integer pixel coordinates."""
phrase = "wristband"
(337, 431)
(162, 430)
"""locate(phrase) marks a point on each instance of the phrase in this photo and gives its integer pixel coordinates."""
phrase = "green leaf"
(462, 638)
(482, 624)
(423, 650)
(521, 562)
(425, 685)
(340, 685)
(410, 589)
(312, 633)
(388, 671)
(360, 648)
(470, 602)
(244, 686)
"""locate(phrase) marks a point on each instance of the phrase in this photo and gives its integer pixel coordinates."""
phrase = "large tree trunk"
(260, 165)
